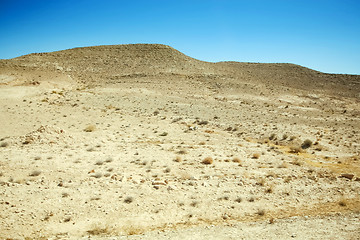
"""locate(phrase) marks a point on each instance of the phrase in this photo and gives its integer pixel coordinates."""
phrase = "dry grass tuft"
(128, 200)
(256, 155)
(178, 159)
(98, 230)
(35, 173)
(133, 229)
(296, 162)
(294, 149)
(260, 212)
(273, 136)
(4, 144)
(261, 182)
(342, 202)
(182, 151)
(208, 160)
(99, 162)
(236, 160)
(90, 128)
(269, 189)
(306, 144)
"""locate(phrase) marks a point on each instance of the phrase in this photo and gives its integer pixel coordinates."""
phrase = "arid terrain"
(143, 142)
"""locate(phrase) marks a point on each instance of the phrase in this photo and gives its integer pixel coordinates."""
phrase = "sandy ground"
(176, 158)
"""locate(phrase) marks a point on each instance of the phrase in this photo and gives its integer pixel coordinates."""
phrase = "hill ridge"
(99, 65)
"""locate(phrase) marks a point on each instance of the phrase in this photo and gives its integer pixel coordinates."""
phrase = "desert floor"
(163, 158)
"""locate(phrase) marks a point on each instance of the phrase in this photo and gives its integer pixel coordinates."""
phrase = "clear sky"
(320, 34)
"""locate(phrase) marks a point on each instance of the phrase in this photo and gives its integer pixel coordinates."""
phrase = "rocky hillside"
(101, 65)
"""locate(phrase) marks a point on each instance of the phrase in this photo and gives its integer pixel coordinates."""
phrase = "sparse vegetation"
(128, 199)
(342, 202)
(65, 194)
(134, 177)
(97, 230)
(260, 212)
(194, 203)
(306, 144)
(273, 136)
(294, 149)
(269, 189)
(208, 160)
(90, 128)
(297, 162)
(35, 173)
(182, 151)
(99, 162)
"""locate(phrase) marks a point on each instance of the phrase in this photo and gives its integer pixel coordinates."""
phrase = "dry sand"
(109, 142)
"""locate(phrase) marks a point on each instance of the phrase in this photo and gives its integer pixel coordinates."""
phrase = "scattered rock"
(347, 175)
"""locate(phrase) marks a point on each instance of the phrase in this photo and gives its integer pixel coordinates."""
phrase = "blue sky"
(320, 34)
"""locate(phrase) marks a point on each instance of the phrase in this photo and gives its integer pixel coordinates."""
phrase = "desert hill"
(144, 142)
(99, 65)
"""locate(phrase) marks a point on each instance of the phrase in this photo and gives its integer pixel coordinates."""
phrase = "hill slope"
(107, 64)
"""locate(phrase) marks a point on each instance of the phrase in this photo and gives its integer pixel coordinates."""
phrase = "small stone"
(159, 183)
(347, 175)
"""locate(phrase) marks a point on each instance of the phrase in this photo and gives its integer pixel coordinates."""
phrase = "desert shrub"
(256, 155)
(261, 182)
(294, 149)
(270, 189)
(35, 173)
(207, 160)
(97, 230)
(342, 202)
(306, 144)
(260, 212)
(90, 128)
(99, 162)
(236, 160)
(128, 200)
(182, 151)
(4, 144)
(272, 136)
